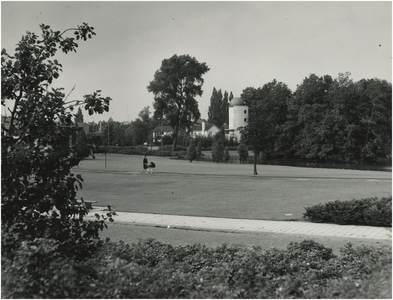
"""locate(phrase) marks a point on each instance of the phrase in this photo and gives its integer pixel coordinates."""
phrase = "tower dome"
(236, 101)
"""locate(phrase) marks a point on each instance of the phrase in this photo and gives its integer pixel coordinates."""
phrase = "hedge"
(142, 150)
(368, 211)
(150, 269)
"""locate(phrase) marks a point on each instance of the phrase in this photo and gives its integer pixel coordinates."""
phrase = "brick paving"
(249, 226)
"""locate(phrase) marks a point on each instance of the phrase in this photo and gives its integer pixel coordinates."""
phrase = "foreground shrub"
(369, 211)
(150, 269)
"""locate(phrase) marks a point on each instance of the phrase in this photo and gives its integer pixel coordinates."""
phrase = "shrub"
(191, 151)
(242, 150)
(150, 269)
(226, 154)
(369, 211)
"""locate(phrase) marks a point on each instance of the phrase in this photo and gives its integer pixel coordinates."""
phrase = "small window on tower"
(245, 119)
(245, 111)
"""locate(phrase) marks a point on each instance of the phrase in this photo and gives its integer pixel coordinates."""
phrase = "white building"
(204, 128)
(238, 117)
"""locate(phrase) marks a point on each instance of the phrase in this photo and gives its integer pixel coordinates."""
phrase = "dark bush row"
(142, 150)
(150, 269)
(368, 211)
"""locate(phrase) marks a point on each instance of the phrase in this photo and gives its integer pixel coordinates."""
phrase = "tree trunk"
(255, 162)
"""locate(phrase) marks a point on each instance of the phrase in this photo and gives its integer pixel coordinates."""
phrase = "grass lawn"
(222, 190)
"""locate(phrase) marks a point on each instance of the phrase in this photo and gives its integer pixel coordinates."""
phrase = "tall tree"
(214, 107)
(307, 110)
(175, 86)
(225, 107)
(218, 109)
(267, 114)
(79, 116)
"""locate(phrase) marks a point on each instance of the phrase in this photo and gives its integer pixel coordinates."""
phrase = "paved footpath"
(248, 226)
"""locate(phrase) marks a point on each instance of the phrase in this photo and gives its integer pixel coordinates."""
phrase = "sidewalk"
(248, 226)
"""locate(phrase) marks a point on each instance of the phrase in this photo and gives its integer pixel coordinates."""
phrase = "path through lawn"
(222, 190)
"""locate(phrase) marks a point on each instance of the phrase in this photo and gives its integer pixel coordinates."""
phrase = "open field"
(222, 190)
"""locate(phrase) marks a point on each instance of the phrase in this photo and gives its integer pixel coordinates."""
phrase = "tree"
(38, 187)
(307, 110)
(226, 154)
(267, 115)
(199, 150)
(218, 146)
(339, 119)
(218, 109)
(79, 116)
(242, 150)
(225, 107)
(191, 151)
(175, 86)
(142, 126)
(82, 148)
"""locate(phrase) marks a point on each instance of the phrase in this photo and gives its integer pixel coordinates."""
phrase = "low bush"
(369, 211)
(165, 151)
(150, 269)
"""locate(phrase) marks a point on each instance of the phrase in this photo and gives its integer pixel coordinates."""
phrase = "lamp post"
(108, 143)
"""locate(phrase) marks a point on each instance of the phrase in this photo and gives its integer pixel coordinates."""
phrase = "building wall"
(238, 117)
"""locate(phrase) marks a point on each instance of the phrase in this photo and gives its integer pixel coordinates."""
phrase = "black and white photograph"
(196, 149)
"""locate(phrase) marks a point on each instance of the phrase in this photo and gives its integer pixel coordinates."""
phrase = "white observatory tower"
(238, 117)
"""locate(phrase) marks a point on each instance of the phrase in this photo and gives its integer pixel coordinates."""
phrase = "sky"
(245, 44)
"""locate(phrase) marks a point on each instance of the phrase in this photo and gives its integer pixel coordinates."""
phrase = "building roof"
(163, 128)
(236, 102)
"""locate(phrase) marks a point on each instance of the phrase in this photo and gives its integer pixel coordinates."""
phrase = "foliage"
(165, 151)
(79, 116)
(339, 120)
(38, 187)
(267, 114)
(226, 154)
(175, 86)
(242, 150)
(218, 146)
(150, 269)
(198, 150)
(368, 211)
(82, 148)
(218, 109)
(191, 151)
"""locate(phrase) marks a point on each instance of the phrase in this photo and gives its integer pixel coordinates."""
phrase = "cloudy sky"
(245, 44)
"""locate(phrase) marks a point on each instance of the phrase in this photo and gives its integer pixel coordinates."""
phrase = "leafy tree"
(218, 109)
(38, 187)
(307, 110)
(82, 148)
(218, 146)
(199, 150)
(339, 119)
(79, 116)
(242, 150)
(191, 151)
(226, 154)
(175, 86)
(267, 114)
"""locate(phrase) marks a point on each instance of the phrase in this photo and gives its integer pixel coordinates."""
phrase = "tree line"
(323, 119)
